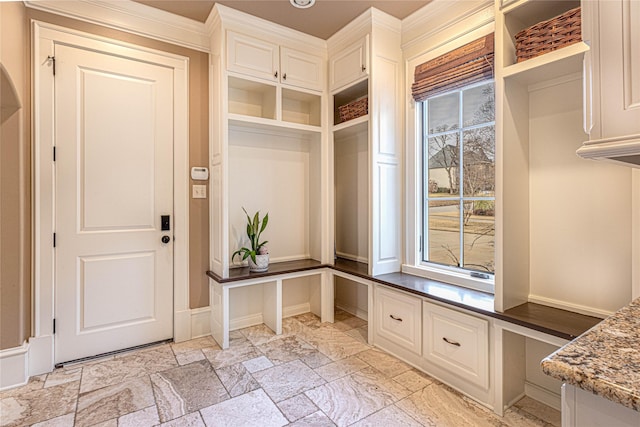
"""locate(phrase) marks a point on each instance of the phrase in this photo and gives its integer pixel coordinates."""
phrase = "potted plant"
(258, 255)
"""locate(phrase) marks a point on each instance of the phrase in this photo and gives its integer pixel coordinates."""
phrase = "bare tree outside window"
(459, 178)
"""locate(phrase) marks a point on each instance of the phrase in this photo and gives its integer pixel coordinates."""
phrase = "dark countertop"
(275, 268)
(553, 321)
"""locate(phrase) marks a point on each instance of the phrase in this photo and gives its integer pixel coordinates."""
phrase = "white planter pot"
(261, 264)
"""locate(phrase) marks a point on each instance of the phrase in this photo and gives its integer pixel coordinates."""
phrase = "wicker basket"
(354, 109)
(547, 36)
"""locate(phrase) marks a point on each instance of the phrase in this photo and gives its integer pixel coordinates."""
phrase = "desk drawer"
(399, 318)
(457, 342)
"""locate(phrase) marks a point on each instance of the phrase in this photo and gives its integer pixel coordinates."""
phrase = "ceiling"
(321, 20)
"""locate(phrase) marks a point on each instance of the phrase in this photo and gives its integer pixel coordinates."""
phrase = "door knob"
(166, 239)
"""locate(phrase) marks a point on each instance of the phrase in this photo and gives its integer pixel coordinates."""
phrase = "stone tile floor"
(312, 375)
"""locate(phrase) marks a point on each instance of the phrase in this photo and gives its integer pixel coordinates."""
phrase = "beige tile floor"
(312, 375)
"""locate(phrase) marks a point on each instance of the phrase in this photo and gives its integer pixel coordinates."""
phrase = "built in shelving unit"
(351, 177)
(365, 61)
(538, 126)
(520, 153)
(268, 136)
(268, 153)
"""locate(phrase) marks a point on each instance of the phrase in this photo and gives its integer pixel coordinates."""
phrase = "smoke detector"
(303, 4)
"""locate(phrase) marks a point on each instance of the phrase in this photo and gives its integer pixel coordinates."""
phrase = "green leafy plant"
(255, 227)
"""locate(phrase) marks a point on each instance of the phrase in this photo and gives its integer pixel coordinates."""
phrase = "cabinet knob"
(399, 319)
(448, 341)
(284, 76)
(364, 68)
(275, 75)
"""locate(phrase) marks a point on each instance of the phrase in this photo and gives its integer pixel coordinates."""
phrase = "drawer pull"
(448, 341)
(399, 319)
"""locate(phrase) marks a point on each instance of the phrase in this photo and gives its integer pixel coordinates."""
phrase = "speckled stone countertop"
(604, 360)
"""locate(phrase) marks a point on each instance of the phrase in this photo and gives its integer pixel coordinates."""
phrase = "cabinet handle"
(284, 76)
(275, 75)
(448, 341)
(399, 319)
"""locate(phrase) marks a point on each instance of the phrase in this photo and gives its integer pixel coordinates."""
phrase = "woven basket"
(547, 36)
(354, 109)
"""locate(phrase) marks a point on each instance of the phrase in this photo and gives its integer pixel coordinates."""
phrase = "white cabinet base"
(582, 408)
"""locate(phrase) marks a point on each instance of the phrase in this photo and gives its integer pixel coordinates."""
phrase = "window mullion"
(425, 183)
(461, 175)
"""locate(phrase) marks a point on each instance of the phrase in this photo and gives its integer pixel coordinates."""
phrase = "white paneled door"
(113, 182)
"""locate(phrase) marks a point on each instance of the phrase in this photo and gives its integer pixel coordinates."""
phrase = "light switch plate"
(199, 191)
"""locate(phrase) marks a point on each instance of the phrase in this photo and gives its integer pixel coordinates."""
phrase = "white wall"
(580, 211)
(352, 297)
(275, 174)
(351, 196)
(535, 352)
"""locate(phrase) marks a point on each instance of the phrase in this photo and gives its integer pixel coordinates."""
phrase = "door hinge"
(52, 59)
(54, 240)
(54, 154)
(54, 326)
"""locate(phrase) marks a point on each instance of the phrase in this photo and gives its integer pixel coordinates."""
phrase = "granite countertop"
(605, 360)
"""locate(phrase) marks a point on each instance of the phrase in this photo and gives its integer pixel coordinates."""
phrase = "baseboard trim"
(40, 355)
(14, 366)
(200, 322)
(257, 319)
(245, 321)
(542, 395)
(182, 325)
(576, 308)
(358, 312)
(294, 310)
(513, 401)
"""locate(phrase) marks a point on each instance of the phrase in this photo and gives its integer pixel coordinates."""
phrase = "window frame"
(416, 54)
(447, 273)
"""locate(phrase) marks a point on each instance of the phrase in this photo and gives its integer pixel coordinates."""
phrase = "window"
(458, 168)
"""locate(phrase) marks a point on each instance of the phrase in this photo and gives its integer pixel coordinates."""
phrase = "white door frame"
(44, 35)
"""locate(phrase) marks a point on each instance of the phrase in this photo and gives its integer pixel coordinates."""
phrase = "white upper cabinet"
(612, 81)
(258, 58)
(350, 65)
(251, 56)
(301, 69)
(612, 29)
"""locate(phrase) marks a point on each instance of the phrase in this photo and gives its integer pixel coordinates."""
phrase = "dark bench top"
(553, 321)
(275, 268)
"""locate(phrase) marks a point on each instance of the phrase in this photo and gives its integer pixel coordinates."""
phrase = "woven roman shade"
(468, 64)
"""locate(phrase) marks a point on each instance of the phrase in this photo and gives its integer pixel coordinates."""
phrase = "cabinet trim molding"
(631, 35)
(134, 18)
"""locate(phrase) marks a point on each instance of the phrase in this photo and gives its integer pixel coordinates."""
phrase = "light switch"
(199, 191)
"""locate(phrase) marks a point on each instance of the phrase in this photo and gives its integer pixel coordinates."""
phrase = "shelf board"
(259, 123)
(275, 268)
(352, 126)
(546, 67)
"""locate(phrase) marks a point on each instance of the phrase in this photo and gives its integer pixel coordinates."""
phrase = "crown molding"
(233, 19)
(384, 20)
(355, 29)
(442, 15)
(131, 17)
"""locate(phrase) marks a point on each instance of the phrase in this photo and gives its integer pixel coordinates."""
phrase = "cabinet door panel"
(349, 65)
(398, 318)
(251, 56)
(457, 342)
(617, 60)
(301, 69)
